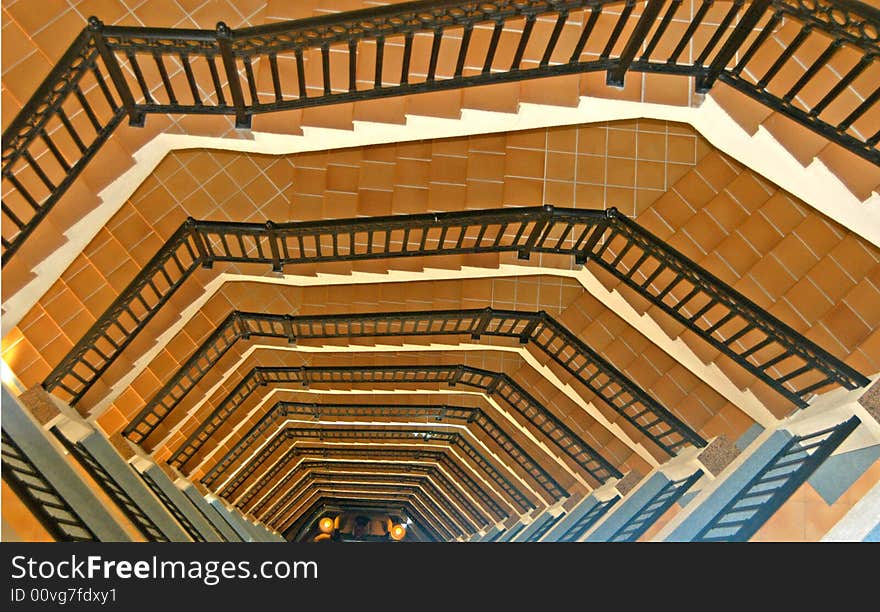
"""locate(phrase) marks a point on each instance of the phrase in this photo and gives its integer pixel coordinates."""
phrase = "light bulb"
(325, 524)
(398, 532)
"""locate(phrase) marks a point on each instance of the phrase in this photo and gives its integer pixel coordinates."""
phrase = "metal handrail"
(218, 66)
(456, 440)
(439, 413)
(771, 350)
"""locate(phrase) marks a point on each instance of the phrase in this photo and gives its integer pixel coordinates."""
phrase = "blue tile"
(748, 437)
(685, 499)
(839, 472)
(873, 535)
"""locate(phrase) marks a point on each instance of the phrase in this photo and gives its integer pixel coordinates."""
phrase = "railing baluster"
(407, 55)
(435, 53)
(163, 74)
(301, 73)
(251, 80)
(463, 49)
(689, 33)
(215, 78)
(784, 56)
(380, 57)
(139, 75)
(614, 77)
(523, 41)
(224, 40)
(719, 32)
(554, 37)
(585, 33)
(135, 118)
(618, 28)
(493, 46)
(845, 82)
(661, 29)
(190, 79)
(352, 65)
(817, 65)
(861, 110)
(56, 152)
(72, 131)
(762, 36)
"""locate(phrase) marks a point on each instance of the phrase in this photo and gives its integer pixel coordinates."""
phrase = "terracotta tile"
(487, 166)
(590, 196)
(863, 299)
(782, 212)
(802, 143)
(621, 172)
(591, 169)
(695, 190)
(846, 326)
(794, 255)
(681, 149)
(747, 112)
(651, 175)
(651, 146)
(831, 279)
(561, 166)
(593, 140)
(855, 257)
(666, 89)
(759, 233)
(859, 175)
(621, 143)
(524, 163)
(808, 300)
(55, 38)
(673, 209)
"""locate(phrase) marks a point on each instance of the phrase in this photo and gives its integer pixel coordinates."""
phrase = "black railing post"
(204, 257)
(272, 237)
(136, 118)
(288, 329)
(456, 375)
(732, 45)
(530, 327)
(540, 225)
(224, 40)
(493, 386)
(482, 323)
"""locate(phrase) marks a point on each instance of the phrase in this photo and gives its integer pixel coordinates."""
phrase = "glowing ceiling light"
(398, 532)
(325, 524)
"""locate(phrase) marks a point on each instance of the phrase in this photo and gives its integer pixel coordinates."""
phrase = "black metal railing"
(546, 525)
(40, 497)
(172, 508)
(132, 511)
(590, 518)
(381, 488)
(497, 384)
(410, 412)
(399, 436)
(648, 514)
(421, 482)
(608, 383)
(396, 456)
(765, 493)
(474, 514)
(759, 342)
(378, 52)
